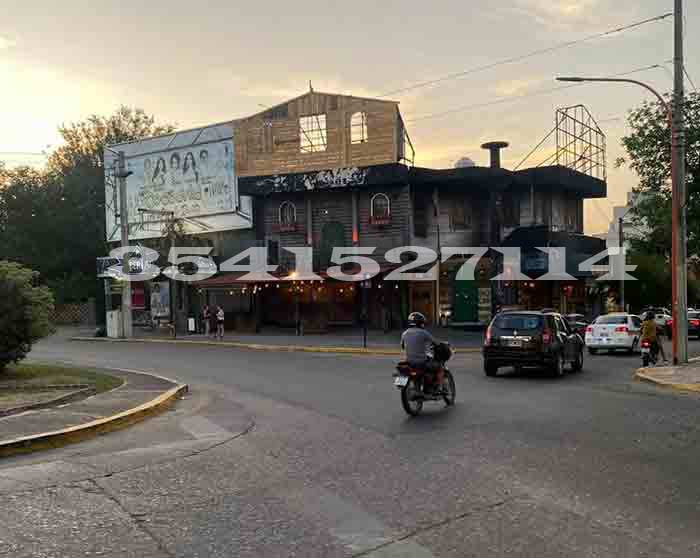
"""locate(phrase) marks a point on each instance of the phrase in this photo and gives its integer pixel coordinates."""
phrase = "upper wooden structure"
(356, 131)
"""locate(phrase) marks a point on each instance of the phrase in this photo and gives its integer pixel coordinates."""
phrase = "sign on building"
(186, 177)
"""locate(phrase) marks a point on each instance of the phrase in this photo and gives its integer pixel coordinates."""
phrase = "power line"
(513, 59)
(519, 97)
(687, 75)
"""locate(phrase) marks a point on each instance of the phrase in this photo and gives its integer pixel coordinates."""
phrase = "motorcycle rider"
(648, 333)
(415, 342)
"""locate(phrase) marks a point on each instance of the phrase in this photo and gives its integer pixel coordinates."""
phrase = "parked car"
(527, 338)
(578, 323)
(693, 324)
(618, 330)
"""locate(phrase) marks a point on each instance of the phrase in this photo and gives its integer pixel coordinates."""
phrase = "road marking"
(201, 427)
(402, 549)
(356, 529)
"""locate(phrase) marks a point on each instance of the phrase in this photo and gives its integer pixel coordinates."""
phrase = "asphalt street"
(299, 454)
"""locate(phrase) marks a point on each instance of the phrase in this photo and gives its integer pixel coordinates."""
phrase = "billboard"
(186, 176)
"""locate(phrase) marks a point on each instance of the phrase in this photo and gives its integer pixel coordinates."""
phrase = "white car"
(614, 331)
(662, 320)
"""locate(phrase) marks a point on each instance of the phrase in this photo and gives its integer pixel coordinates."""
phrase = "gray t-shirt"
(415, 341)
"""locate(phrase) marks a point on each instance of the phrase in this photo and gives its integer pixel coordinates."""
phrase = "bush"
(25, 311)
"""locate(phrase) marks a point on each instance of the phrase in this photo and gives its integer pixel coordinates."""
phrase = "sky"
(197, 63)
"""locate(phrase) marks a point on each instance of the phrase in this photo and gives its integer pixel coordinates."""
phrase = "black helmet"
(416, 319)
(648, 316)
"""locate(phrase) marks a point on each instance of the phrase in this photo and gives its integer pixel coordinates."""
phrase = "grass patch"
(37, 374)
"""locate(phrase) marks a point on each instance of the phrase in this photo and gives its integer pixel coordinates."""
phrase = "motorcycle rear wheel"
(451, 394)
(411, 404)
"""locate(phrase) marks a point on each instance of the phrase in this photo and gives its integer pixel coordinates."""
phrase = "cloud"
(6, 43)
(515, 87)
(568, 15)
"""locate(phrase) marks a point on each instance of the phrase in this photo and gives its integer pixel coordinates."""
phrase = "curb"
(270, 348)
(73, 434)
(67, 398)
(641, 375)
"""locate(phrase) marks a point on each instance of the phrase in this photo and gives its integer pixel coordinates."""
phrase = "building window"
(358, 128)
(288, 213)
(460, 216)
(312, 133)
(380, 209)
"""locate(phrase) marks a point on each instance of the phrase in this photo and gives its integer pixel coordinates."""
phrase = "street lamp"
(122, 174)
(678, 234)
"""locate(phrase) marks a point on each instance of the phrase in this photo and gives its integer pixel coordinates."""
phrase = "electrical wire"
(687, 75)
(503, 100)
(521, 57)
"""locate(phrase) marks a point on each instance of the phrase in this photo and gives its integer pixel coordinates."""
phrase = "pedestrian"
(660, 334)
(220, 322)
(213, 322)
(205, 319)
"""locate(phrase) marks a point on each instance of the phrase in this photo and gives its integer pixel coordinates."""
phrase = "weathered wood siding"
(268, 143)
(396, 232)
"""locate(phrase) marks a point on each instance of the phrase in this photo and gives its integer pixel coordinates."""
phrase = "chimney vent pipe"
(494, 148)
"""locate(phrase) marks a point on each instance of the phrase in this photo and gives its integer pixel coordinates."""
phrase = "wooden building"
(332, 171)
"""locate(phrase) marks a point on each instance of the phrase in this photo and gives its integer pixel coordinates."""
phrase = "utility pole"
(122, 173)
(678, 249)
(621, 242)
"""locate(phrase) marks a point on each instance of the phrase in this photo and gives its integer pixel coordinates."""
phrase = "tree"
(648, 154)
(53, 220)
(25, 311)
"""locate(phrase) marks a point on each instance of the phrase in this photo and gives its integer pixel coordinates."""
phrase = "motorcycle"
(649, 353)
(418, 386)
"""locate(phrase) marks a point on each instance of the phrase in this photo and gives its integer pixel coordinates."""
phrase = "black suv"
(521, 338)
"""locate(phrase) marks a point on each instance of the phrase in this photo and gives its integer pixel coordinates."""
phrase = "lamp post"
(122, 175)
(678, 236)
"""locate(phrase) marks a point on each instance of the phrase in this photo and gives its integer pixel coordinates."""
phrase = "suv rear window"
(518, 321)
(612, 320)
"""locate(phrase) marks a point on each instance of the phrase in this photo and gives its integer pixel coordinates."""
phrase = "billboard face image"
(181, 176)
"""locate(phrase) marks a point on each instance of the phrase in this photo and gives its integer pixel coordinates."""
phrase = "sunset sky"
(197, 63)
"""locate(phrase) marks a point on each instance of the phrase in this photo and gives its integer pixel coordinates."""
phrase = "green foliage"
(53, 220)
(25, 311)
(653, 284)
(648, 154)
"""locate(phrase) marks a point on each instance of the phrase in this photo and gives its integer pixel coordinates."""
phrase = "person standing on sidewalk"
(660, 334)
(213, 323)
(220, 322)
(206, 320)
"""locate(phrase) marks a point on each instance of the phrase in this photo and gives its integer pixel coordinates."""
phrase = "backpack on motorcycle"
(442, 352)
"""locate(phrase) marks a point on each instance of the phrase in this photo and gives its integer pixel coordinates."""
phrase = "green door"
(332, 236)
(466, 302)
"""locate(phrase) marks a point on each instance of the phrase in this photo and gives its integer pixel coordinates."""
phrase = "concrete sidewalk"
(684, 378)
(139, 396)
(344, 340)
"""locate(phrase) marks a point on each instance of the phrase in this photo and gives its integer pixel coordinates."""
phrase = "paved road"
(300, 454)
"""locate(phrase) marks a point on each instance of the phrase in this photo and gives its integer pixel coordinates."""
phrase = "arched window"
(380, 208)
(288, 213)
(358, 127)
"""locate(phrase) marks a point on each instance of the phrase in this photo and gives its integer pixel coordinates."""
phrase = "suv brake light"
(589, 329)
(622, 329)
(487, 339)
(546, 337)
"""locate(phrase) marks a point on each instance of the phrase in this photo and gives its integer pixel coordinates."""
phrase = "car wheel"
(490, 369)
(558, 366)
(592, 351)
(577, 365)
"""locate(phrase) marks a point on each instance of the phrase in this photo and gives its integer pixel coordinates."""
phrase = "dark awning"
(330, 179)
(579, 248)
